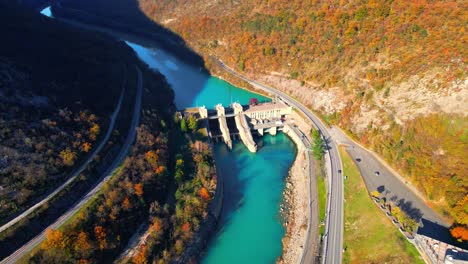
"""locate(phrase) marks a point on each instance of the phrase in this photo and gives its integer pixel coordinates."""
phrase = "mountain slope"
(392, 73)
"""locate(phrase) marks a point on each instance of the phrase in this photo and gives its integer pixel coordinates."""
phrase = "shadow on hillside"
(160, 48)
(126, 13)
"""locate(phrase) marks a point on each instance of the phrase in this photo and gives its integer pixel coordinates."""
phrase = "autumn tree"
(460, 233)
(140, 257)
(139, 189)
(54, 240)
(126, 204)
(186, 227)
(152, 158)
(82, 245)
(204, 194)
(94, 131)
(160, 169)
(68, 157)
(86, 147)
(375, 194)
(100, 235)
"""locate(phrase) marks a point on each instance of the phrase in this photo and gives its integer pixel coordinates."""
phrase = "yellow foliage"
(68, 157)
(54, 239)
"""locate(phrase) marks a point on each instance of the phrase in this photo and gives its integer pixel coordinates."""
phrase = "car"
(339, 171)
(358, 159)
(377, 173)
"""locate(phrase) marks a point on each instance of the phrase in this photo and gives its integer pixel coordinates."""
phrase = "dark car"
(358, 159)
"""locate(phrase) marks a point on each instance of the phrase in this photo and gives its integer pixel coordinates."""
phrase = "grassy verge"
(370, 237)
(322, 195)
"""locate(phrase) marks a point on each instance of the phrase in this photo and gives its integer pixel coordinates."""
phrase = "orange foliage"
(140, 256)
(68, 156)
(459, 232)
(138, 189)
(54, 239)
(152, 158)
(82, 243)
(86, 147)
(94, 132)
(159, 170)
(156, 226)
(204, 194)
(100, 235)
(126, 203)
(186, 227)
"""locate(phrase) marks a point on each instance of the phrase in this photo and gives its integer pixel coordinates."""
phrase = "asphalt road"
(18, 254)
(390, 185)
(309, 254)
(77, 171)
(333, 238)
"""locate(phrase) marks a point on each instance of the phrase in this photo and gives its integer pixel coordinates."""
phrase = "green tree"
(192, 123)
(242, 65)
(179, 171)
(318, 145)
(183, 125)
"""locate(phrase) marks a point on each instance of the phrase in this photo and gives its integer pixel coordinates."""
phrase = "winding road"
(18, 254)
(78, 170)
(333, 238)
(389, 183)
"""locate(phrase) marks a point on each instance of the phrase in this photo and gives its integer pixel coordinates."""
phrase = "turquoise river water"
(250, 228)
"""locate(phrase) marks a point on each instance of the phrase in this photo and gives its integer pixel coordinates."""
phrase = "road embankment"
(295, 199)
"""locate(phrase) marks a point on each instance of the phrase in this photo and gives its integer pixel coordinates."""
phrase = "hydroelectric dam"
(241, 121)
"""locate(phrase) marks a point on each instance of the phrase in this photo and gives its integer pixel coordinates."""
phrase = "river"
(250, 228)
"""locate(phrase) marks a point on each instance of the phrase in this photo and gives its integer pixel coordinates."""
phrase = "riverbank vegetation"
(171, 232)
(369, 236)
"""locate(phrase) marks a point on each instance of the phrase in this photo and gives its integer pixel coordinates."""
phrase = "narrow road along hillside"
(18, 254)
(77, 171)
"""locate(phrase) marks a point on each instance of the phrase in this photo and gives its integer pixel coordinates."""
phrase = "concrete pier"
(223, 125)
(243, 127)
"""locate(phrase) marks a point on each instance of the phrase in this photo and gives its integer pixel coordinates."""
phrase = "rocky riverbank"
(296, 198)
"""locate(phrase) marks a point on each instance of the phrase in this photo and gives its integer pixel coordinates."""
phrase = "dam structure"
(240, 121)
(221, 113)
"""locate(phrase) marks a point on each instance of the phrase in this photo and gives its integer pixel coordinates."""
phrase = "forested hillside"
(392, 73)
(58, 87)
